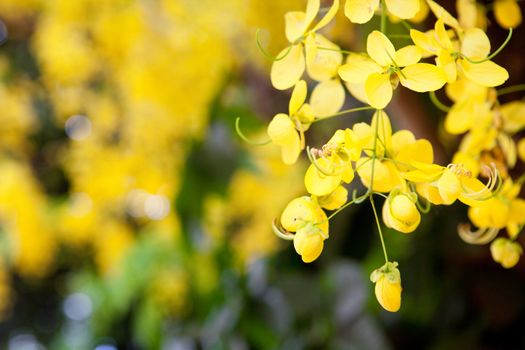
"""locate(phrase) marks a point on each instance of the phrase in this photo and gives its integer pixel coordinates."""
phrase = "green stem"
(340, 209)
(346, 111)
(331, 49)
(437, 102)
(379, 227)
(383, 17)
(266, 54)
(406, 25)
(400, 36)
(511, 89)
(245, 139)
(495, 53)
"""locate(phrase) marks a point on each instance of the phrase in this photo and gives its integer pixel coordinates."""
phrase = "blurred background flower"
(132, 216)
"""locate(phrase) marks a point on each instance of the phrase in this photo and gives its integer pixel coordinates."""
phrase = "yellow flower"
(394, 154)
(381, 71)
(291, 62)
(506, 252)
(443, 185)
(361, 11)
(334, 166)
(400, 212)
(283, 128)
(474, 47)
(304, 216)
(507, 13)
(388, 286)
(322, 62)
(503, 210)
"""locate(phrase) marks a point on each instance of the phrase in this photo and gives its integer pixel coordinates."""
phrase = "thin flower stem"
(267, 55)
(495, 53)
(346, 111)
(331, 49)
(340, 209)
(400, 36)
(437, 102)
(383, 17)
(406, 25)
(246, 139)
(511, 89)
(378, 227)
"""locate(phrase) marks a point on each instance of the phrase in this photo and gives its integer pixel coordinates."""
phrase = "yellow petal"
(322, 64)
(330, 14)
(448, 186)
(308, 243)
(430, 193)
(423, 172)
(507, 13)
(282, 132)
(403, 8)
(327, 98)
(425, 41)
(400, 139)
(422, 77)
(388, 294)
(300, 211)
(463, 89)
(378, 90)
(407, 55)
(487, 74)
(422, 14)
(281, 129)
(460, 117)
(475, 44)
(419, 151)
(298, 97)
(467, 13)
(334, 200)
(513, 114)
(286, 72)
(385, 175)
(381, 123)
(320, 184)
(471, 186)
(401, 214)
(380, 48)
(443, 14)
(360, 11)
(357, 68)
(295, 25)
(445, 61)
(357, 91)
(442, 36)
(297, 22)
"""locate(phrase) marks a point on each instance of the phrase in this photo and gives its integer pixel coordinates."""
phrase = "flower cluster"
(455, 55)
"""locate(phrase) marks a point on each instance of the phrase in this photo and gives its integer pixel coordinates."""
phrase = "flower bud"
(308, 242)
(400, 212)
(505, 252)
(388, 286)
